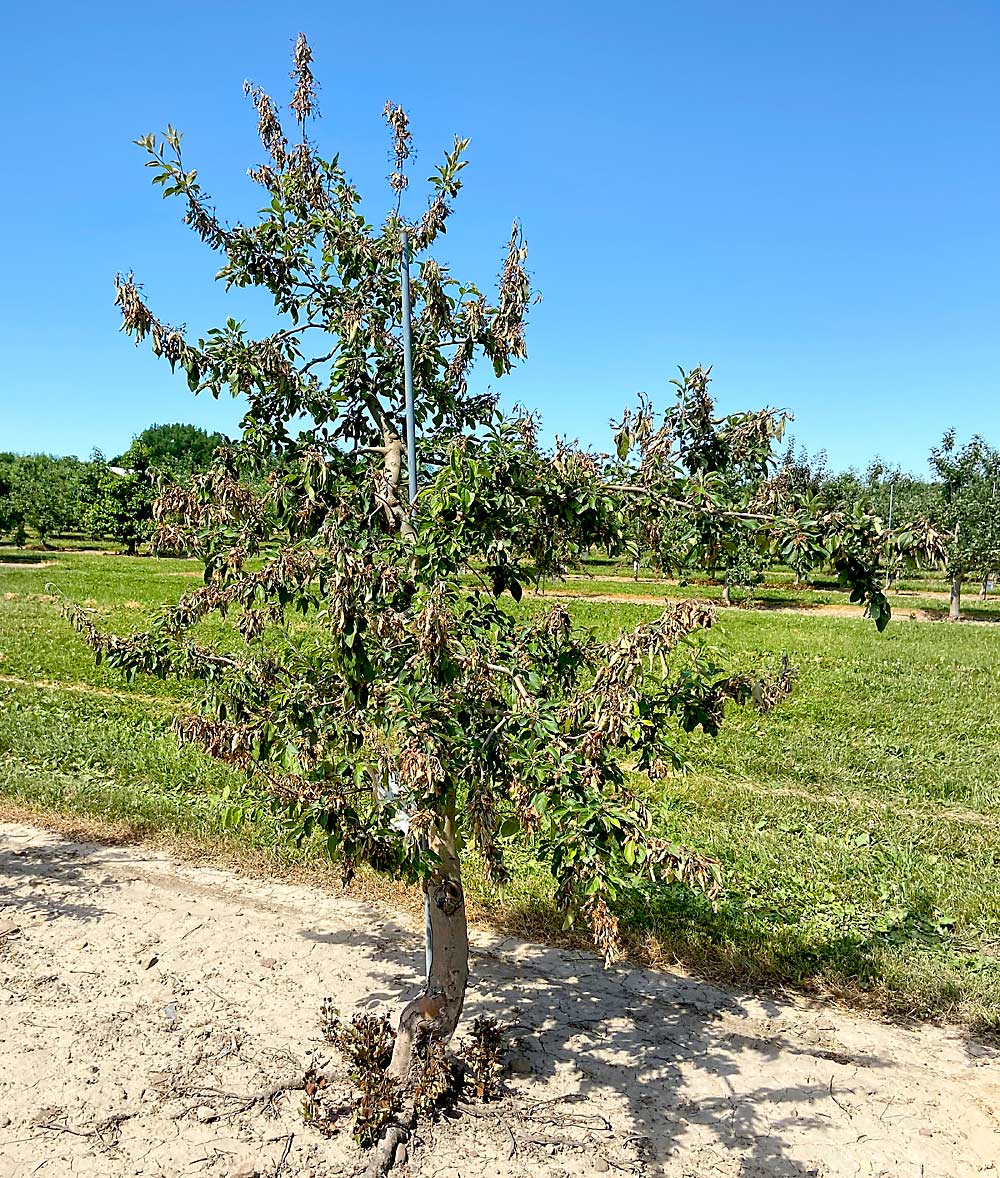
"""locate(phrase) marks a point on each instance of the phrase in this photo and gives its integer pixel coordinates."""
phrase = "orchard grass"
(919, 591)
(766, 596)
(858, 825)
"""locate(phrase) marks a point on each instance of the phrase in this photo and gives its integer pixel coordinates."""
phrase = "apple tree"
(968, 511)
(423, 710)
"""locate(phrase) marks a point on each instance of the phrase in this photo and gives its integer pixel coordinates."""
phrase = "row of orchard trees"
(104, 500)
(45, 496)
(960, 502)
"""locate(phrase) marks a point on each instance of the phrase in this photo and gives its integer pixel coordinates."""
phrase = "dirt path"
(139, 986)
(845, 611)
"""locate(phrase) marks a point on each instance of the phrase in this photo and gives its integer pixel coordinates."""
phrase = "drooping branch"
(175, 180)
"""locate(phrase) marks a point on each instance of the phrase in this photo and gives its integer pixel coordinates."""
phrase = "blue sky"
(803, 195)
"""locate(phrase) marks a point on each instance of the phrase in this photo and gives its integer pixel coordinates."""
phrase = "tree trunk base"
(429, 1021)
(955, 602)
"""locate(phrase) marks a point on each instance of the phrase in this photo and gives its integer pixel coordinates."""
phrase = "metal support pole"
(411, 477)
(411, 431)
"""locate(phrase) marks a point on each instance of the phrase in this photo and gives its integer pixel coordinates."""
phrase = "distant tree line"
(43, 496)
(960, 500)
(952, 514)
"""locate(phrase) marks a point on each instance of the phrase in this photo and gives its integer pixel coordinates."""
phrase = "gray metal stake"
(411, 473)
(411, 431)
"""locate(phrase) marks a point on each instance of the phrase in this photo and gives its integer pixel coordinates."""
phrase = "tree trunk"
(434, 1014)
(955, 604)
(727, 596)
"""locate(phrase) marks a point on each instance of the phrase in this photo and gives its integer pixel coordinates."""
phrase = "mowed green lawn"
(921, 590)
(858, 825)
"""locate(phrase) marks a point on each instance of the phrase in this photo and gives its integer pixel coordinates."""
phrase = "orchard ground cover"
(858, 825)
(923, 590)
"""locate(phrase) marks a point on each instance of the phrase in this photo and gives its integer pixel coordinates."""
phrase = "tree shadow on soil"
(48, 880)
(682, 1058)
(738, 943)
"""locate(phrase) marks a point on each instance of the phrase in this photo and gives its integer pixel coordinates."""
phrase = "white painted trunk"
(435, 1013)
(955, 603)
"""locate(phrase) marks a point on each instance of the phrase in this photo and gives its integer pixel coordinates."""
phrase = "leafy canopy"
(178, 448)
(969, 509)
(40, 492)
(119, 499)
(380, 682)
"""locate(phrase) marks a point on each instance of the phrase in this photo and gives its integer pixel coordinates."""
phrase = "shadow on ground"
(665, 1049)
(48, 881)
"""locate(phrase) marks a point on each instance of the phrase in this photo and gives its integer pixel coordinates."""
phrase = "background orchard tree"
(906, 501)
(119, 499)
(178, 448)
(119, 495)
(44, 495)
(11, 509)
(725, 457)
(420, 714)
(903, 499)
(968, 512)
(888, 489)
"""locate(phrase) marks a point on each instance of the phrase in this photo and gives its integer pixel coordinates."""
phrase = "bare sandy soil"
(137, 990)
